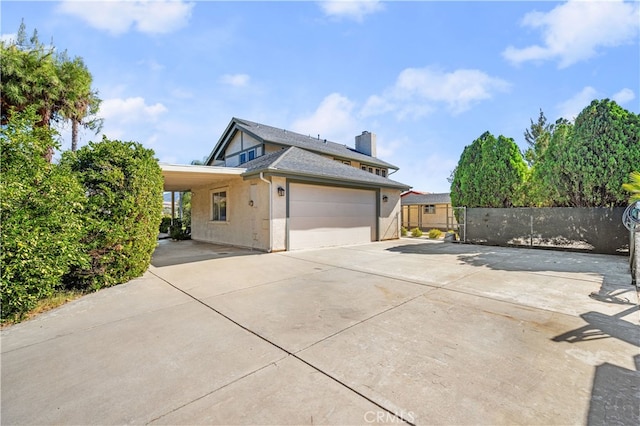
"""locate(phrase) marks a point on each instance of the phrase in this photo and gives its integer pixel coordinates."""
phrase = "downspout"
(270, 212)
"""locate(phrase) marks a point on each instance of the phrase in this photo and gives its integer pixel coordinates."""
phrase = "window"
(364, 168)
(252, 154)
(219, 206)
(378, 172)
(384, 173)
(243, 158)
(370, 169)
(348, 163)
(430, 209)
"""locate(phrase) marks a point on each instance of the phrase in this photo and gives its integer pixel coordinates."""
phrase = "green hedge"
(88, 222)
(41, 217)
(123, 183)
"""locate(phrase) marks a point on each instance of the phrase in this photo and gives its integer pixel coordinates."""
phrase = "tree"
(586, 164)
(547, 176)
(537, 137)
(79, 103)
(490, 173)
(59, 87)
(41, 226)
(123, 185)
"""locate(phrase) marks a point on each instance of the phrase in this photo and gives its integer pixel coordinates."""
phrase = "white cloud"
(418, 91)
(235, 80)
(180, 93)
(117, 17)
(574, 31)
(130, 110)
(387, 149)
(333, 120)
(350, 9)
(8, 38)
(570, 108)
(623, 96)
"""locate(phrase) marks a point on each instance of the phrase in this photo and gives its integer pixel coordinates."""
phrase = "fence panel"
(597, 230)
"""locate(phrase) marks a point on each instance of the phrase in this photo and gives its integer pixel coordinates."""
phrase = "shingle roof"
(420, 199)
(302, 163)
(287, 138)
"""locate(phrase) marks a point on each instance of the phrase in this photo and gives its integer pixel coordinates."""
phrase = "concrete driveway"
(404, 331)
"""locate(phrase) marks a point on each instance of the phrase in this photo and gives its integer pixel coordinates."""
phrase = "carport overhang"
(181, 177)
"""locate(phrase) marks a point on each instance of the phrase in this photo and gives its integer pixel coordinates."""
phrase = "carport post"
(173, 206)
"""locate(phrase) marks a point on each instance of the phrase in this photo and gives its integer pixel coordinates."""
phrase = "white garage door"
(323, 216)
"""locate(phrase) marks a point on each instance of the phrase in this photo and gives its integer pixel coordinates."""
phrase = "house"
(427, 211)
(272, 189)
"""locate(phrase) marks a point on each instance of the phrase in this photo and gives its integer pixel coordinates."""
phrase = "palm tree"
(633, 186)
(78, 103)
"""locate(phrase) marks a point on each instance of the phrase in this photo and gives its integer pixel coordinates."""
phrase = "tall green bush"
(587, 162)
(123, 185)
(40, 226)
(490, 173)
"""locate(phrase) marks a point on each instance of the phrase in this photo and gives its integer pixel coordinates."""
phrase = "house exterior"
(271, 189)
(427, 211)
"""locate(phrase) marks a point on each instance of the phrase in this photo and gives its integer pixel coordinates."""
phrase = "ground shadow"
(611, 270)
(615, 395)
(170, 253)
(602, 326)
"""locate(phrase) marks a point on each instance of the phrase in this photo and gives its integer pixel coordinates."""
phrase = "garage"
(324, 216)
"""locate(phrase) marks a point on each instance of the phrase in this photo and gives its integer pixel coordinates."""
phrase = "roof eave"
(270, 171)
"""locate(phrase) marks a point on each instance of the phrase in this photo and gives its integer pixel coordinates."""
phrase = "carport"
(183, 178)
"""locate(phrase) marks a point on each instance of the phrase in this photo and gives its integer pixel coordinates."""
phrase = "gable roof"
(421, 199)
(287, 138)
(302, 164)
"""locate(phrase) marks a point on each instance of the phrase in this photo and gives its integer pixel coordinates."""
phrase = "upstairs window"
(252, 154)
(430, 209)
(243, 158)
(384, 173)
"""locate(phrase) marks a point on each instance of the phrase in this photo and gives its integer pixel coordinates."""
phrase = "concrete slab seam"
(411, 299)
(447, 284)
(377, 274)
(244, 376)
(341, 383)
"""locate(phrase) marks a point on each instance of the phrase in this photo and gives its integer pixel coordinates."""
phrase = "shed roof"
(422, 199)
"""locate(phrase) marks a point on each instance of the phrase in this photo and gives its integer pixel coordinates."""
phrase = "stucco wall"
(246, 225)
(389, 220)
(279, 225)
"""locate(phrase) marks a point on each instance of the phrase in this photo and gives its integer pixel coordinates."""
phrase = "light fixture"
(385, 198)
(281, 191)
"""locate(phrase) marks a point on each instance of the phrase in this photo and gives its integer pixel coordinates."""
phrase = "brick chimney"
(366, 143)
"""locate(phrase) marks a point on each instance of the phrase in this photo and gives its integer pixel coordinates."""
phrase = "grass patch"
(58, 299)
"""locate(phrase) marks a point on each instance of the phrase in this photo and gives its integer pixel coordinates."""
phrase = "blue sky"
(427, 77)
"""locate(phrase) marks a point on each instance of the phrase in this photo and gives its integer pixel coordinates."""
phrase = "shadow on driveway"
(170, 253)
(615, 392)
